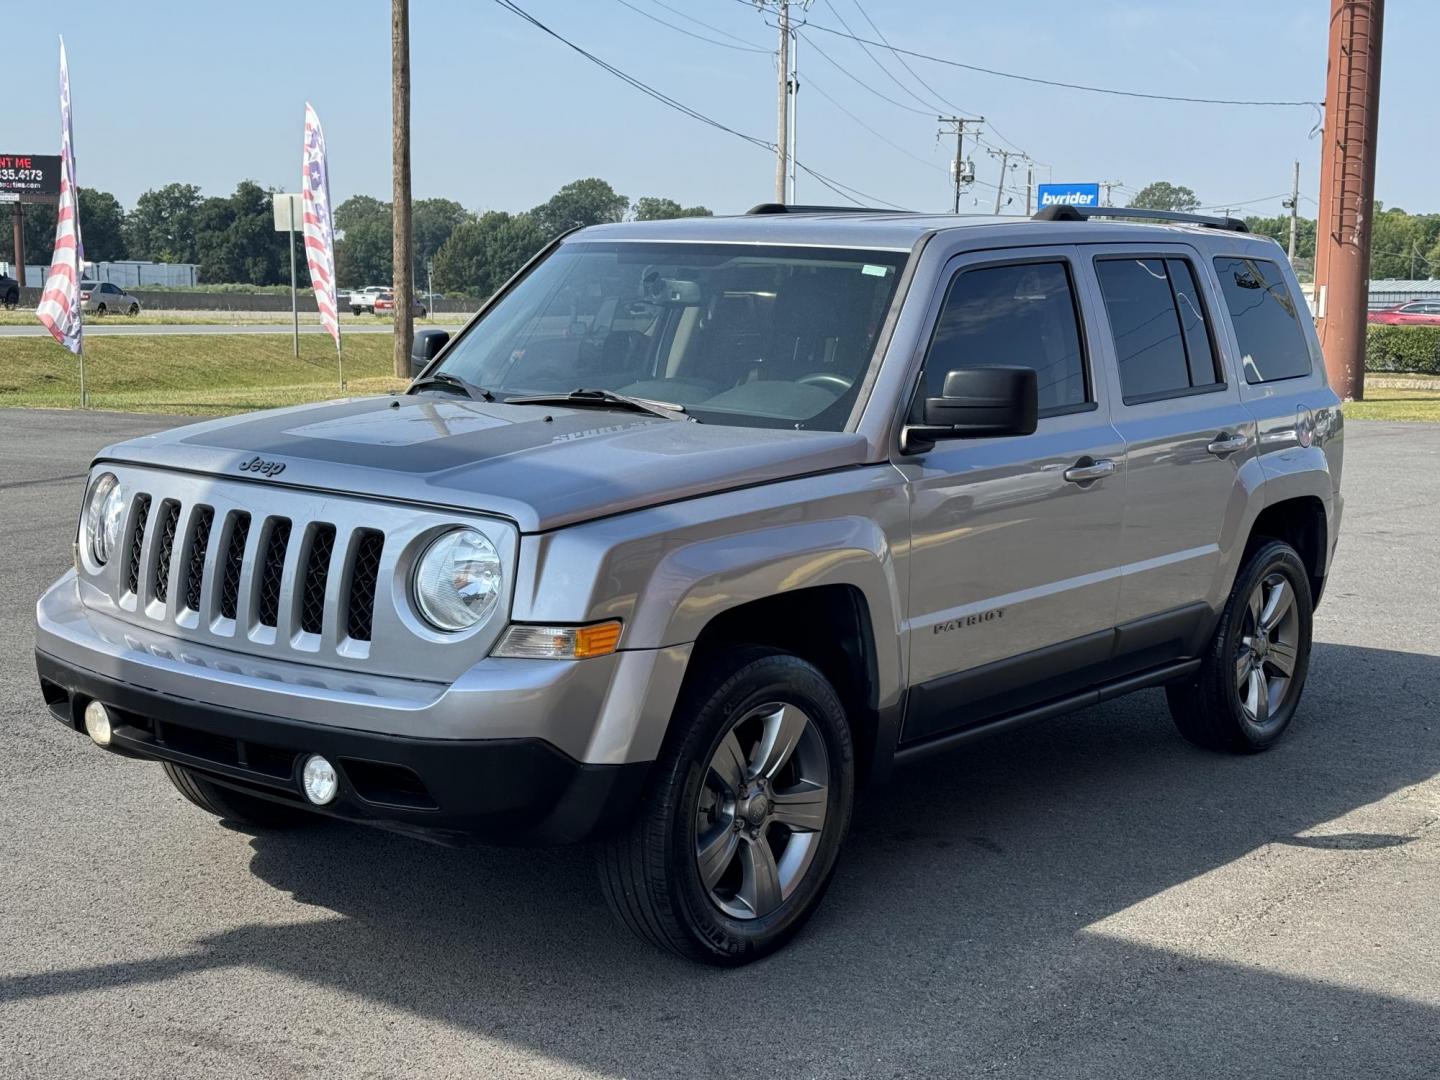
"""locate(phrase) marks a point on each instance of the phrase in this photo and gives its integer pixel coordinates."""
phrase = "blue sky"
(212, 93)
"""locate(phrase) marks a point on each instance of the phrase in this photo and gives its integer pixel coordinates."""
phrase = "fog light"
(319, 780)
(97, 723)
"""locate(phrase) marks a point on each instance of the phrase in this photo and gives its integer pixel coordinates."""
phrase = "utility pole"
(1347, 190)
(401, 276)
(1004, 156)
(960, 170)
(17, 218)
(1294, 205)
(782, 135)
(1029, 187)
(794, 87)
(1106, 185)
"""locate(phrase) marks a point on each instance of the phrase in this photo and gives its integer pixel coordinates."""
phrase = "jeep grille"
(285, 573)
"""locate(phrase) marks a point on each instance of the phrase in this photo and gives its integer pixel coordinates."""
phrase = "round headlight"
(457, 581)
(104, 514)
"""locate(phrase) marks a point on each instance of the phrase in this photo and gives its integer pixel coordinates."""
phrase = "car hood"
(542, 467)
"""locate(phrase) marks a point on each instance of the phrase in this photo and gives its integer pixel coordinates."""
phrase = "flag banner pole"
(59, 310)
(319, 232)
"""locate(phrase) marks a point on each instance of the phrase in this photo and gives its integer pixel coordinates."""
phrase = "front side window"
(1022, 315)
(1157, 317)
(737, 334)
(1267, 320)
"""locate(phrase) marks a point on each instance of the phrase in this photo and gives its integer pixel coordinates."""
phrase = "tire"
(133, 310)
(12, 299)
(231, 805)
(759, 889)
(356, 310)
(100, 309)
(1222, 706)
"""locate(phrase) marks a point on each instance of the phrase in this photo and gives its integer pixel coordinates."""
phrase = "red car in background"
(385, 305)
(1410, 313)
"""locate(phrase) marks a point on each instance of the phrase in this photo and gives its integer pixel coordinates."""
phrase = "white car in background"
(364, 299)
(105, 298)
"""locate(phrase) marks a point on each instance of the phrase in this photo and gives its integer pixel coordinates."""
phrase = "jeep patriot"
(699, 527)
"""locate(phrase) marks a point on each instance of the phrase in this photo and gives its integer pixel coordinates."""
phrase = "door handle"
(1084, 471)
(1228, 444)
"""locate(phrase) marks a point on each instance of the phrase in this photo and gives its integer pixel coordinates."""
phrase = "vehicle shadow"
(958, 937)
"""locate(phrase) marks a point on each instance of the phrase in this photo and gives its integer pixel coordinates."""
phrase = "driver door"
(1015, 550)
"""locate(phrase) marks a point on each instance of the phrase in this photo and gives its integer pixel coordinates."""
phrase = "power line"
(715, 29)
(834, 185)
(856, 78)
(930, 105)
(883, 138)
(690, 33)
(1055, 82)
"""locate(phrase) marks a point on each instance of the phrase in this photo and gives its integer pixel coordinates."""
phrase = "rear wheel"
(100, 309)
(1249, 685)
(231, 805)
(748, 806)
(12, 298)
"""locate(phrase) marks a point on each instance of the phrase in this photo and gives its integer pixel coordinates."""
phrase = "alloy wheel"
(1268, 649)
(761, 810)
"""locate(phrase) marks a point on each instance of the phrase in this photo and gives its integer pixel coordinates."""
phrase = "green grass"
(1389, 403)
(228, 373)
(200, 374)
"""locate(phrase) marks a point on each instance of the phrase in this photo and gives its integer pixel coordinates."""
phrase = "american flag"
(319, 229)
(59, 308)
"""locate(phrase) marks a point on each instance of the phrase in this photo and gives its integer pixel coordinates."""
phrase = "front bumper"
(448, 790)
(513, 751)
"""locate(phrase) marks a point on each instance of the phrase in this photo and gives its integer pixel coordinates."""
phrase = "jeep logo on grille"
(263, 467)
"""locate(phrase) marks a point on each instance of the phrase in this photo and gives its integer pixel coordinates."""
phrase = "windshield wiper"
(443, 380)
(607, 399)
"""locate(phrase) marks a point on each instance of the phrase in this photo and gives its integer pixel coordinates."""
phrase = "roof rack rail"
(1135, 213)
(795, 208)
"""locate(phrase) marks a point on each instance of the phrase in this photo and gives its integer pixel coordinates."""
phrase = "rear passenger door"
(1015, 541)
(1187, 441)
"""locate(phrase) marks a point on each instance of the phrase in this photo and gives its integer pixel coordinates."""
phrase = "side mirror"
(426, 347)
(977, 403)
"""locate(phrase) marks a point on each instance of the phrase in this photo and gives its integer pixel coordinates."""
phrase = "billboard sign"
(1067, 195)
(29, 177)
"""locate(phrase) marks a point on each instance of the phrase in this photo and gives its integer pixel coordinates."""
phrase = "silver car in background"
(107, 298)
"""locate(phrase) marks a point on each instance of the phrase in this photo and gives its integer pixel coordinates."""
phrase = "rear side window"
(1022, 315)
(1267, 320)
(1157, 316)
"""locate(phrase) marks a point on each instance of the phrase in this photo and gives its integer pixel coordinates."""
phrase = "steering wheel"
(829, 381)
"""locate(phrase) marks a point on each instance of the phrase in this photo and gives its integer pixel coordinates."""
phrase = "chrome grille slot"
(165, 548)
(234, 562)
(317, 574)
(267, 606)
(364, 573)
(195, 564)
(137, 543)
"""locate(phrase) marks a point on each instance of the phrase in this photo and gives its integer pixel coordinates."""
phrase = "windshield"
(736, 334)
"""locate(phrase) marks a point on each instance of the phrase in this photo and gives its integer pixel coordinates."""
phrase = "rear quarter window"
(1266, 317)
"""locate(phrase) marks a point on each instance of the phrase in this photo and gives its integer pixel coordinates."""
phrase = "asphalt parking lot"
(1089, 897)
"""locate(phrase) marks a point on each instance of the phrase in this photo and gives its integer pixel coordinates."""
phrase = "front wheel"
(231, 805)
(747, 808)
(1249, 684)
(12, 298)
(134, 310)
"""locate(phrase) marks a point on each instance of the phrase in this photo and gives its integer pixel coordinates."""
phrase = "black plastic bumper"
(506, 791)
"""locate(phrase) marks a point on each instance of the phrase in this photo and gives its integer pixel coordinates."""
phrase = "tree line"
(232, 238)
(1402, 245)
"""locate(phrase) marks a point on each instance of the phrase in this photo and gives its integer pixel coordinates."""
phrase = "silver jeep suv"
(699, 526)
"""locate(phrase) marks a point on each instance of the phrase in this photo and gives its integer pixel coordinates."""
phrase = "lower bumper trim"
(506, 791)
